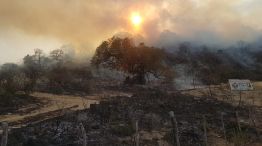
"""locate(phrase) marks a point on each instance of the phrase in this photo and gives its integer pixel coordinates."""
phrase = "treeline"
(57, 72)
(215, 66)
(209, 65)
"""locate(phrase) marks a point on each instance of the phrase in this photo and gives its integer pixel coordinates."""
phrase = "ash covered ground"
(112, 122)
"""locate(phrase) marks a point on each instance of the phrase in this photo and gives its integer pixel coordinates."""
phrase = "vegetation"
(137, 61)
(215, 66)
(59, 72)
(55, 73)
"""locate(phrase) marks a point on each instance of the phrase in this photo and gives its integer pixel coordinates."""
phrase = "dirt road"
(50, 105)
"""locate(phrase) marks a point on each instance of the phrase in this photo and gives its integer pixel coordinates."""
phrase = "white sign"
(240, 85)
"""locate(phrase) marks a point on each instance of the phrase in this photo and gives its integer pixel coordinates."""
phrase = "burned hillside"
(131, 95)
(217, 65)
(112, 122)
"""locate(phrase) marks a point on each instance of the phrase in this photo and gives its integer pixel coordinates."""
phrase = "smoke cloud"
(85, 23)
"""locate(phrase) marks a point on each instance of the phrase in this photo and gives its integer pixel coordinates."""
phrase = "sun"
(136, 19)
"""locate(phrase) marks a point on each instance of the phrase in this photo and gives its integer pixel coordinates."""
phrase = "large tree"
(137, 61)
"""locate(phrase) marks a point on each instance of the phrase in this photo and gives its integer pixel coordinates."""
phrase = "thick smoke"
(86, 23)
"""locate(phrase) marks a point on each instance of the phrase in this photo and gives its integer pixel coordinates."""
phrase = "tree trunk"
(210, 92)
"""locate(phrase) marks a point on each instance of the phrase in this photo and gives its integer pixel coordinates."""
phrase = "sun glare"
(136, 19)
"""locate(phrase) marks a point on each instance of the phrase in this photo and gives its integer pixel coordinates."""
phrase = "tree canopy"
(137, 61)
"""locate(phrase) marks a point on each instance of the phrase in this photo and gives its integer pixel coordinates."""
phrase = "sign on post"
(240, 85)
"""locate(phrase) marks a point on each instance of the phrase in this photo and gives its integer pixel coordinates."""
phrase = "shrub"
(122, 130)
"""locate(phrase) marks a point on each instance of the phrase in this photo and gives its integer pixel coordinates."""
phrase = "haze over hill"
(29, 24)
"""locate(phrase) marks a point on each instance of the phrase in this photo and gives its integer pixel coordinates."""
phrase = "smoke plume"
(86, 23)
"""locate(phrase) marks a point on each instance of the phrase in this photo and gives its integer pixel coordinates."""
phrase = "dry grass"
(222, 92)
(258, 85)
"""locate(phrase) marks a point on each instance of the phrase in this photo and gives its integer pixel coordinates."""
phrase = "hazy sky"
(49, 24)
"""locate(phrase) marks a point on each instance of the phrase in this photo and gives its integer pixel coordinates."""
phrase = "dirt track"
(50, 105)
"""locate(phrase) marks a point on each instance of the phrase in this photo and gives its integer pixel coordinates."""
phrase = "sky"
(83, 24)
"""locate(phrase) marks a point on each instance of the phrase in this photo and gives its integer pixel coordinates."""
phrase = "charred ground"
(112, 122)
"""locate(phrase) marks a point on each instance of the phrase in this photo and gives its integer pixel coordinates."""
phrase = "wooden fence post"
(240, 98)
(175, 128)
(205, 129)
(5, 134)
(252, 119)
(83, 131)
(137, 134)
(210, 92)
(238, 122)
(223, 127)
